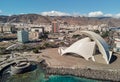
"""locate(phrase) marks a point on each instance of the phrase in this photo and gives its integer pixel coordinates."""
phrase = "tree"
(76, 36)
(105, 34)
(47, 45)
(97, 31)
(36, 50)
(4, 51)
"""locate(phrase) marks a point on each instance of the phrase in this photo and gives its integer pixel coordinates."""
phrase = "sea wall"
(109, 75)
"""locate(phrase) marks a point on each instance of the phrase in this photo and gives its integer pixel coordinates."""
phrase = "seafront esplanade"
(87, 47)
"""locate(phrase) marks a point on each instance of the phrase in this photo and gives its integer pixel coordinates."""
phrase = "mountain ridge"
(39, 19)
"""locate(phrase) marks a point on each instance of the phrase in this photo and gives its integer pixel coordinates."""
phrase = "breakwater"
(104, 75)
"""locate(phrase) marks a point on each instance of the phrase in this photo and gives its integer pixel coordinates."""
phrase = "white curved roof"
(85, 47)
(102, 45)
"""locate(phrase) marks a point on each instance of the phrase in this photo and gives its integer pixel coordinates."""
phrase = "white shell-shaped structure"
(86, 48)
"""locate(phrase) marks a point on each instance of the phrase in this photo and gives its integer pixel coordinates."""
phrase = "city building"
(1, 28)
(36, 32)
(34, 35)
(7, 28)
(116, 45)
(55, 27)
(23, 36)
(37, 29)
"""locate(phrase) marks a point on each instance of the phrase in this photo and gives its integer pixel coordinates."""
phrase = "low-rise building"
(36, 32)
(37, 29)
(7, 28)
(116, 45)
(34, 35)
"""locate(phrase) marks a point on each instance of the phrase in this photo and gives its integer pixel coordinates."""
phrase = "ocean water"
(58, 78)
(38, 75)
(52, 78)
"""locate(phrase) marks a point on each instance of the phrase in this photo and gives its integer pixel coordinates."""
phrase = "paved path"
(20, 58)
(11, 61)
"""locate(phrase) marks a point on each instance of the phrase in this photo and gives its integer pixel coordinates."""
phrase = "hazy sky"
(108, 7)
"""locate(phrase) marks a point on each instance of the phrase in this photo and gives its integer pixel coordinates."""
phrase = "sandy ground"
(53, 59)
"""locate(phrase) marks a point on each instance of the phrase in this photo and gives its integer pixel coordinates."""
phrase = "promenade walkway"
(11, 61)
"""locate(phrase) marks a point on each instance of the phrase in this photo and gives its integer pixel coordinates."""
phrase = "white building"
(87, 47)
(37, 29)
(36, 32)
(23, 36)
(117, 45)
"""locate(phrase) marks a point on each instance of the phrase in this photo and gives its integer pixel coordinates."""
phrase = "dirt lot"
(55, 60)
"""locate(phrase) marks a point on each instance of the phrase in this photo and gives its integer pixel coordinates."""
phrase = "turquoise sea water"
(58, 78)
(38, 75)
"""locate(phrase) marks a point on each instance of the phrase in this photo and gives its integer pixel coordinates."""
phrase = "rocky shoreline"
(97, 74)
(104, 75)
